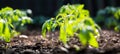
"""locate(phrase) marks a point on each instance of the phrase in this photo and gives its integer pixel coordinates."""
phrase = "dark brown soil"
(32, 42)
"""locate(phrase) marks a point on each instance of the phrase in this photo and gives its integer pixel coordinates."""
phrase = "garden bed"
(32, 42)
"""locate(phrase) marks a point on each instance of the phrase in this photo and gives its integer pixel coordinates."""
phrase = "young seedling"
(109, 18)
(10, 20)
(73, 20)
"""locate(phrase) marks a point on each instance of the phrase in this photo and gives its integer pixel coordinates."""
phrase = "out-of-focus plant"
(10, 21)
(73, 20)
(109, 18)
(39, 20)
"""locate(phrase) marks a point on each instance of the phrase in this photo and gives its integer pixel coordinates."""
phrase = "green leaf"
(117, 14)
(1, 26)
(70, 30)
(92, 41)
(7, 33)
(63, 36)
(54, 26)
(44, 27)
(117, 28)
(83, 37)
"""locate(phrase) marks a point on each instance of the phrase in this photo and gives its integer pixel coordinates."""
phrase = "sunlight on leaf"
(92, 41)
(63, 36)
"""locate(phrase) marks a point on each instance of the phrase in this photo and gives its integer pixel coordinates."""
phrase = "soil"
(32, 42)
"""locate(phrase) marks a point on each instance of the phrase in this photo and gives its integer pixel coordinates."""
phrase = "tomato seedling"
(73, 20)
(10, 21)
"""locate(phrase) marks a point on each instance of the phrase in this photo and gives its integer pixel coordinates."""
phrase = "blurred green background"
(43, 10)
(49, 7)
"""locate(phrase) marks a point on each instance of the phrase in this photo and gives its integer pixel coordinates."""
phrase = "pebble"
(23, 36)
